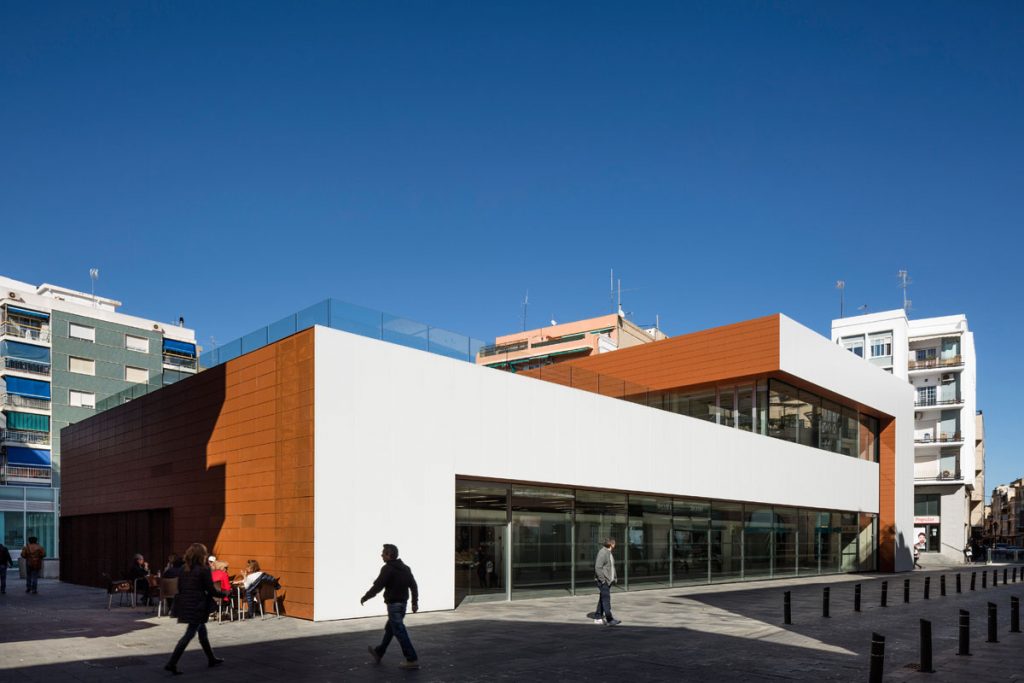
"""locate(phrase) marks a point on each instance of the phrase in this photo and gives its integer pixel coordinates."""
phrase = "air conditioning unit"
(919, 415)
(947, 376)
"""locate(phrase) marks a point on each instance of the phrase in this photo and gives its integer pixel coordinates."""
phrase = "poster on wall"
(920, 538)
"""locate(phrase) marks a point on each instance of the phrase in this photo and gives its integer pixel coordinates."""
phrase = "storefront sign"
(927, 520)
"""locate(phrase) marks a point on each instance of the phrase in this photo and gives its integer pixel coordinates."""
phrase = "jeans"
(396, 628)
(604, 601)
(190, 633)
(31, 580)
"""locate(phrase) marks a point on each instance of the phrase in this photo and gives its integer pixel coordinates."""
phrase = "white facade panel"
(394, 427)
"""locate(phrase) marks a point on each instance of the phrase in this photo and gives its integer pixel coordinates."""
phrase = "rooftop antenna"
(905, 281)
(841, 286)
(94, 274)
(526, 303)
(611, 288)
(619, 308)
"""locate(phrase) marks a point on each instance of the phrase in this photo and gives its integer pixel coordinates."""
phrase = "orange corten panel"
(887, 496)
(739, 350)
(228, 451)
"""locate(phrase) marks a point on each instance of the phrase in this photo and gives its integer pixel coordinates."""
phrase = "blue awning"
(27, 313)
(33, 388)
(13, 349)
(184, 348)
(32, 457)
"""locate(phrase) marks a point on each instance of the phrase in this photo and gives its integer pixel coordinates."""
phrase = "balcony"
(10, 328)
(944, 475)
(30, 366)
(496, 349)
(934, 403)
(943, 437)
(31, 476)
(16, 401)
(180, 362)
(21, 436)
(935, 363)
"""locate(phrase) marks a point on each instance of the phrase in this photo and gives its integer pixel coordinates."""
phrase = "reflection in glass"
(809, 411)
(848, 537)
(727, 406)
(828, 542)
(726, 541)
(481, 527)
(783, 411)
(702, 406)
(690, 541)
(807, 538)
(831, 427)
(868, 561)
(599, 516)
(848, 432)
(757, 541)
(745, 408)
(786, 522)
(541, 541)
(650, 526)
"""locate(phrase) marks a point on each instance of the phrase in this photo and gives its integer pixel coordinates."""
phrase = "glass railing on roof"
(365, 322)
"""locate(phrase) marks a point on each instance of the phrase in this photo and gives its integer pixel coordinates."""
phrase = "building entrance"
(479, 561)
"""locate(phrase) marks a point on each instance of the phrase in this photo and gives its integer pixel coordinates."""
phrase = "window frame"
(90, 361)
(89, 338)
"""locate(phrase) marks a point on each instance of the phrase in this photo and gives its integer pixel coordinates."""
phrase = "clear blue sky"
(233, 162)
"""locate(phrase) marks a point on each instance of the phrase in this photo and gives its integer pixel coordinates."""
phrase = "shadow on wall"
(132, 490)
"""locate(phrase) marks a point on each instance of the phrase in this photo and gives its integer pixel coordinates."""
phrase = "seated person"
(248, 580)
(138, 573)
(218, 570)
(173, 564)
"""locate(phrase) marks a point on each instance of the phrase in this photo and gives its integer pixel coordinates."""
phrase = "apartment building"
(1006, 515)
(64, 353)
(936, 356)
(563, 342)
(711, 457)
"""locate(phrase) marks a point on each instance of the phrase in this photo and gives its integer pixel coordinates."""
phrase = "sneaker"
(614, 622)
(409, 664)
(373, 653)
(591, 615)
(599, 621)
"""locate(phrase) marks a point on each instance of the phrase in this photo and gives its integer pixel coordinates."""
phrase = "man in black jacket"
(397, 582)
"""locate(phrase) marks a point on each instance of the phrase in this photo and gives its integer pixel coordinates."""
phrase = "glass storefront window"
(758, 527)
(866, 544)
(726, 541)
(650, 530)
(599, 516)
(831, 428)
(848, 432)
(868, 438)
(42, 525)
(785, 528)
(809, 419)
(481, 527)
(849, 532)
(745, 408)
(727, 406)
(702, 406)
(542, 541)
(12, 528)
(690, 536)
(828, 542)
(808, 543)
(783, 411)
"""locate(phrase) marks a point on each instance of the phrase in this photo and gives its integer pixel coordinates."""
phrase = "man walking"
(33, 554)
(604, 574)
(397, 582)
(5, 562)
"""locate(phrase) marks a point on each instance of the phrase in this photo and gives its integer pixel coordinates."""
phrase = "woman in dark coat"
(196, 592)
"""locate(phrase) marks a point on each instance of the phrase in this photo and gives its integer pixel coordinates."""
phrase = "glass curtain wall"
(520, 541)
(541, 541)
(650, 532)
(599, 516)
(690, 537)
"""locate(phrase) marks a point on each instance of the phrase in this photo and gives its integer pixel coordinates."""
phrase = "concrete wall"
(394, 427)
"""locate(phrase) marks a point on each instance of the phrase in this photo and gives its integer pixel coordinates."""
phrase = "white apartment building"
(936, 355)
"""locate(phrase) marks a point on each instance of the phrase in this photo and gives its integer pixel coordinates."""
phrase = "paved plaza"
(728, 632)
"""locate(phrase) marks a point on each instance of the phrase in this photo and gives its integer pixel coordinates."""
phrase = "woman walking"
(196, 593)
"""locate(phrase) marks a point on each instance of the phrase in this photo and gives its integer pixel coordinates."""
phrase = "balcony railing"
(22, 436)
(933, 402)
(944, 437)
(183, 362)
(13, 329)
(16, 474)
(495, 349)
(16, 401)
(929, 363)
(32, 366)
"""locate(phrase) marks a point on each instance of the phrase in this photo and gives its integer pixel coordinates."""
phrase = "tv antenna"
(526, 303)
(905, 281)
(841, 286)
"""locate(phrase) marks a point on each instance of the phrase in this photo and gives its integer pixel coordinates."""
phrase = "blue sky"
(233, 162)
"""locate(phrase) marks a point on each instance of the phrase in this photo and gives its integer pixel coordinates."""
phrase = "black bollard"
(942, 585)
(856, 598)
(958, 583)
(877, 658)
(974, 575)
(824, 602)
(1014, 614)
(1015, 575)
(1004, 575)
(993, 625)
(965, 634)
(787, 614)
(927, 586)
(906, 590)
(885, 593)
(984, 579)
(926, 647)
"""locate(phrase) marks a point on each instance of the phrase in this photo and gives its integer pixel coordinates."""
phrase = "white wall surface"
(394, 426)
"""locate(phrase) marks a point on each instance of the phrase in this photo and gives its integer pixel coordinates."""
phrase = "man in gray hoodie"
(604, 574)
